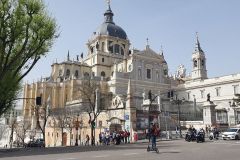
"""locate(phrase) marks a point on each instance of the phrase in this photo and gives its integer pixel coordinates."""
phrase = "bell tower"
(199, 71)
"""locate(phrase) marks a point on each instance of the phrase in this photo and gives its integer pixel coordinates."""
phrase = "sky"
(171, 24)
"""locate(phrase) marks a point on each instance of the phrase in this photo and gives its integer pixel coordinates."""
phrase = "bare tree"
(21, 130)
(12, 126)
(3, 129)
(91, 92)
(42, 117)
(62, 116)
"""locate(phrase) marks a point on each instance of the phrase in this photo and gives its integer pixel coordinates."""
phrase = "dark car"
(36, 143)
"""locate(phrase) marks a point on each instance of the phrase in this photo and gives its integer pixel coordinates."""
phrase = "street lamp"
(81, 125)
(77, 125)
(179, 102)
(151, 100)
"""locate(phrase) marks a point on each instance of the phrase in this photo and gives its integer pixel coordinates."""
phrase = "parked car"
(36, 143)
(231, 133)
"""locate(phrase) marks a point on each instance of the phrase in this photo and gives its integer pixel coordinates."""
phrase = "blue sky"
(170, 23)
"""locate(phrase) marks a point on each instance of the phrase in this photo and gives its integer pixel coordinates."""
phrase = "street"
(168, 150)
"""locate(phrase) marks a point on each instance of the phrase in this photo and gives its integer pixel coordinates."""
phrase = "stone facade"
(127, 75)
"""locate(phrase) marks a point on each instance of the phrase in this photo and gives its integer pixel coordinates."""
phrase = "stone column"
(209, 113)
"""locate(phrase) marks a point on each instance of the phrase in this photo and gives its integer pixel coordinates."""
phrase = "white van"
(231, 133)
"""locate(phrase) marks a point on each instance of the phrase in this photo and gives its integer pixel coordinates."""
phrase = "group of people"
(115, 137)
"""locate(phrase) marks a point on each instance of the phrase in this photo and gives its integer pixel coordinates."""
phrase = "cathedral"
(133, 90)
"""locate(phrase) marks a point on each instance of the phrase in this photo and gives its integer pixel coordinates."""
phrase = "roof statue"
(181, 71)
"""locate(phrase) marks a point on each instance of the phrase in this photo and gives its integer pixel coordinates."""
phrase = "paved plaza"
(168, 150)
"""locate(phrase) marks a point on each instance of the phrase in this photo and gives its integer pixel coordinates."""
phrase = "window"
(122, 51)
(103, 46)
(48, 134)
(157, 75)
(195, 63)
(203, 63)
(148, 73)
(60, 73)
(218, 91)
(116, 49)
(68, 73)
(57, 134)
(139, 73)
(76, 74)
(102, 74)
(235, 89)
(71, 136)
(93, 74)
(202, 94)
(102, 59)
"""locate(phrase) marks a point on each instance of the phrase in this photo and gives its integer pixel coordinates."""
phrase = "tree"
(27, 33)
(62, 116)
(21, 130)
(91, 92)
(3, 130)
(41, 117)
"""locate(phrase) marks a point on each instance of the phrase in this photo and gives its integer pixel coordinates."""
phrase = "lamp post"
(81, 125)
(179, 102)
(151, 100)
(77, 126)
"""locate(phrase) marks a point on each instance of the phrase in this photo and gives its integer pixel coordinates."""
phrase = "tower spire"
(68, 56)
(147, 43)
(109, 14)
(197, 45)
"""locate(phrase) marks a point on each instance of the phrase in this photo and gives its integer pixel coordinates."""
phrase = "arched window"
(76, 74)
(203, 63)
(195, 63)
(67, 73)
(103, 46)
(60, 73)
(116, 49)
(122, 51)
(102, 74)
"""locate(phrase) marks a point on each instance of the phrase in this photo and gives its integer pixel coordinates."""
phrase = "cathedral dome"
(109, 28)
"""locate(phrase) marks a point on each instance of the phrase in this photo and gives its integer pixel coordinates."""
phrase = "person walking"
(87, 140)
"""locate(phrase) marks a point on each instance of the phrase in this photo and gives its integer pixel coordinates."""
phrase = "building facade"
(127, 75)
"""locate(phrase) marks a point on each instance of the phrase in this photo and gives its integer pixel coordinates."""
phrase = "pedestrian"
(100, 138)
(128, 136)
(125, 134)
(87, 140)
(154, 132)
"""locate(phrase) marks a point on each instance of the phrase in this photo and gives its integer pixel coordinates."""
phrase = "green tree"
(27, 33)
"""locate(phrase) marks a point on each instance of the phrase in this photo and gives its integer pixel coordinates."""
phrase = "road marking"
(101, 156)
(129, 154)
(66, 159)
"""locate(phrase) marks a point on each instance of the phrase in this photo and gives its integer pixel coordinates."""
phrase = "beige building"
(124, 77)
(123, 73)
